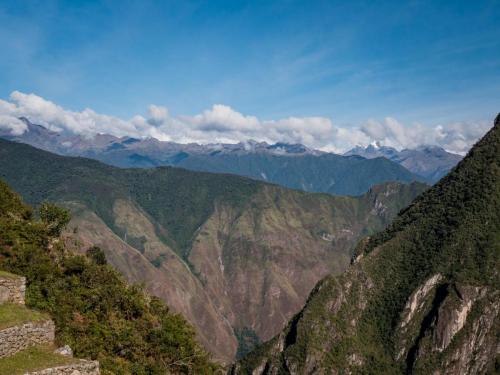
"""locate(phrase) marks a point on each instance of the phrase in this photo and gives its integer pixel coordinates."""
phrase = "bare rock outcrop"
(418, 298)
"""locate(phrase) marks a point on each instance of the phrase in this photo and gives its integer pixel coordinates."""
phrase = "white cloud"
(455, 137)
(222, 118)
(157, 115)
(12, 124)
(221, 123)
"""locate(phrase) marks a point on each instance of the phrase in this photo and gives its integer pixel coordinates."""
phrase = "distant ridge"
(291, 165)
(430, 162)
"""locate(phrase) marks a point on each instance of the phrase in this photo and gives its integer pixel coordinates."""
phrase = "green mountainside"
(93, 308)
(326, 173)
(180, 201)
(236, 257)
(421, 297)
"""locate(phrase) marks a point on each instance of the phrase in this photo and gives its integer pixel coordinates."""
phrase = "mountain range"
(237, 257)
(291, 165)
(430, 162)
(421, 297)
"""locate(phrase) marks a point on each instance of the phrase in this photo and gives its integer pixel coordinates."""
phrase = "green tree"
(97, 255)
(56, 218)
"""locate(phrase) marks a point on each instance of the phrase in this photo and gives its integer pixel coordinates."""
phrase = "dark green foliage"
(96, 255)
(56, 218)
(247, 340)
(95, 312)
(327, 173)
(452, 229)
(12, 205)
(158, 261)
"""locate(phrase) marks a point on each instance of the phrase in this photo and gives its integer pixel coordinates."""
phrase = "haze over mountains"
(290, 165)
(237, 257)
(430, 162)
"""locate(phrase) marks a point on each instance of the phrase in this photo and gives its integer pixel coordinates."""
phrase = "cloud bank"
(225, 125)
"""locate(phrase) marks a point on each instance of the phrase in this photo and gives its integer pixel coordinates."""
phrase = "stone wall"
(17, 338)
(78, 368)
(12, 289)
(20, 337)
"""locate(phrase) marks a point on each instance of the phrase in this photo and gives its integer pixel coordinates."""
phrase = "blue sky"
(417, 61)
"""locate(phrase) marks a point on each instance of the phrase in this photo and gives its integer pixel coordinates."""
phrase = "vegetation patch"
(247, 340)
(157, 262)
(33, 359)
(14, 315)
(8, 275)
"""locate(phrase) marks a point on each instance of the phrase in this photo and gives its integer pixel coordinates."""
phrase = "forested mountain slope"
(326, 173)
(421, 297)
(236, 257)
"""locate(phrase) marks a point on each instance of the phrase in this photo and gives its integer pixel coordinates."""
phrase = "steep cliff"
(421, 297)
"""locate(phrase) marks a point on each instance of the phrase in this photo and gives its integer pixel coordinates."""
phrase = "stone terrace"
(27, 337)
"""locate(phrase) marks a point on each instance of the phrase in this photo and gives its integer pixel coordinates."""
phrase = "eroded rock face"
(457, 331)
(349, 300)
(452, 315)
(477, 316)
(250, 269)
(418, 298)
(172, 281)
(414, 306)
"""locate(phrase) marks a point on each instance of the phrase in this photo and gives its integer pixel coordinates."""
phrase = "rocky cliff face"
(421, 297)
(236, 257)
